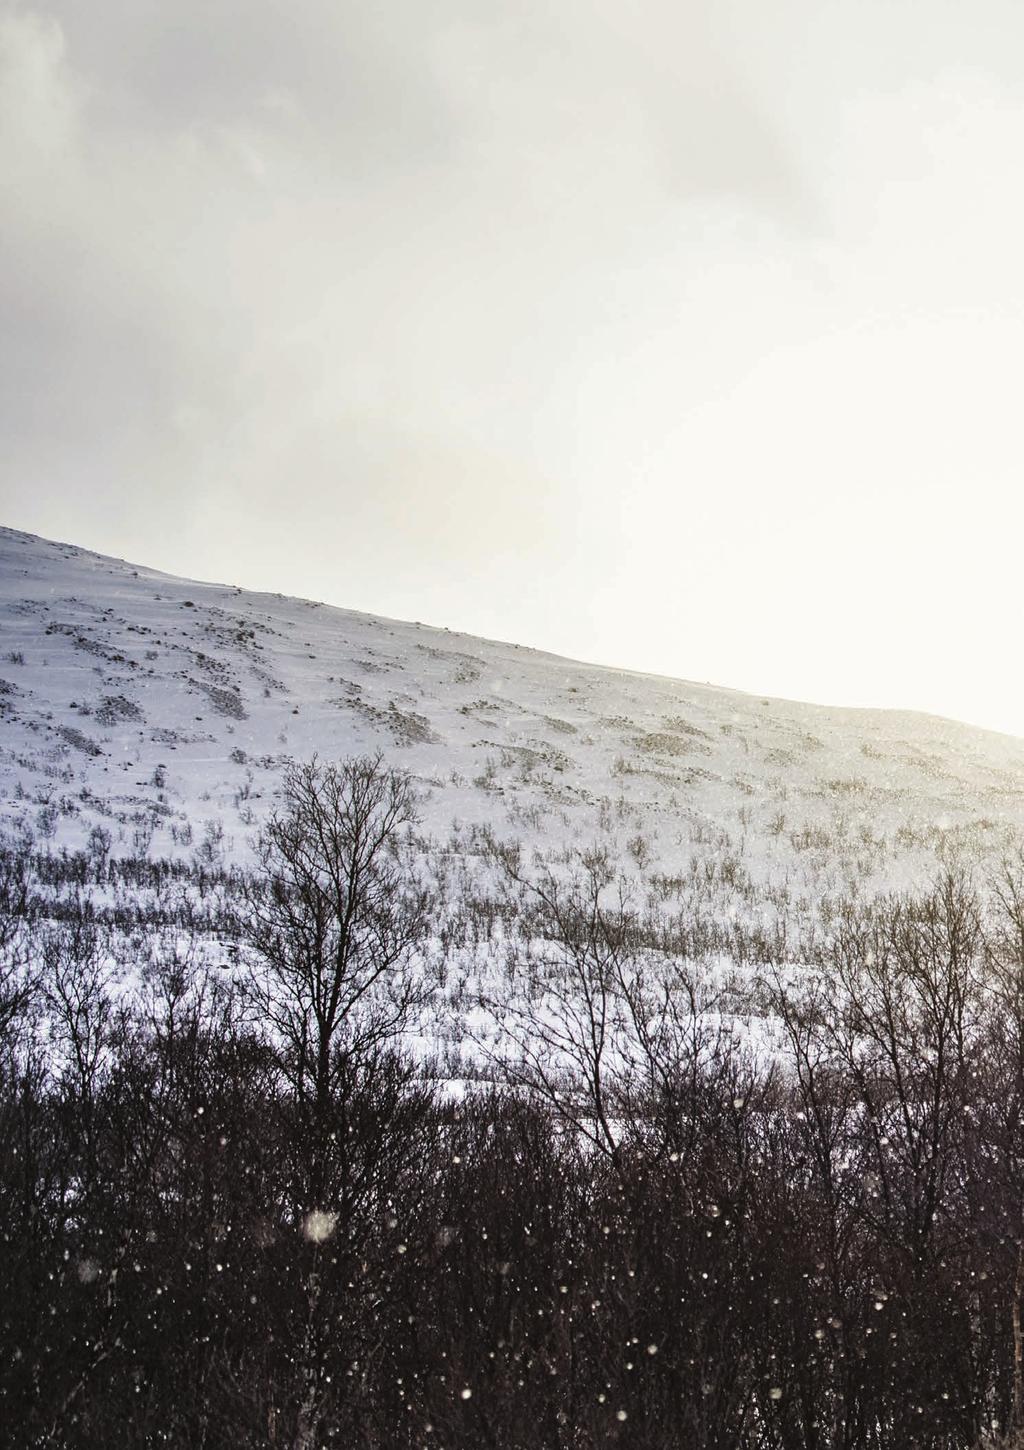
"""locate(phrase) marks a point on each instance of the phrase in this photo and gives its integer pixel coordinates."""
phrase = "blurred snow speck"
(319, 1225)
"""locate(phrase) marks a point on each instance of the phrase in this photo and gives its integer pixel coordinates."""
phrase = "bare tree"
(335, 916)
(17, 981)
(564, 1022)
(998, 1142)
(596, 1018)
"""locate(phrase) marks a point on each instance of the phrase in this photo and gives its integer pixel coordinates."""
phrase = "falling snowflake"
(319, 1225)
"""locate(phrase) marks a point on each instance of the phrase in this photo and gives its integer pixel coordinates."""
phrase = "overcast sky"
(682, 336)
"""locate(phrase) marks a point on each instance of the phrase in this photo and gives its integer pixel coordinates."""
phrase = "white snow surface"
(149, 705)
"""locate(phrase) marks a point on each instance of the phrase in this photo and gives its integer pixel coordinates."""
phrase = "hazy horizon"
(615, 666)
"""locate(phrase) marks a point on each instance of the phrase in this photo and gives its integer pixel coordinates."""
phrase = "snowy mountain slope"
(163, 710)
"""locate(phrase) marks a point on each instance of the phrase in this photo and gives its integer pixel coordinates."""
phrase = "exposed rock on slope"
(163, 710)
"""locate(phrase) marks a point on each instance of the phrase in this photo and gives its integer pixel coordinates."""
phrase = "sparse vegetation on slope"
(495, 1051)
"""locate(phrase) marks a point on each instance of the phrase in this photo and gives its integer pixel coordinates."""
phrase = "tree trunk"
(1018, 1342)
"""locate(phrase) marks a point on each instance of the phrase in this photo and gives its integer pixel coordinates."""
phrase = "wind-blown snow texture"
(163, 710)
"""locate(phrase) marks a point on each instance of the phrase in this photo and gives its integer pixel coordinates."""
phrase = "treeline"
(122, 894)
(234, 1213)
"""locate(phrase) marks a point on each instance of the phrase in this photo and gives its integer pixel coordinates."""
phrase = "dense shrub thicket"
(233, 1214)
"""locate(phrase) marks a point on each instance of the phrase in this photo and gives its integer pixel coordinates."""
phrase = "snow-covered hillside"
(163, 710)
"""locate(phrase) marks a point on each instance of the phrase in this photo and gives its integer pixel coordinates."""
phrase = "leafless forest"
(238, 1211)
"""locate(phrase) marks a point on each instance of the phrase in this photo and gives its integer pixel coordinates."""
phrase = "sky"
(685, 337)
